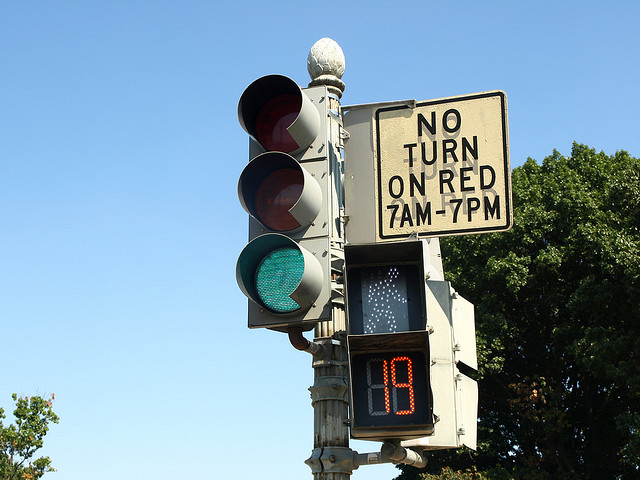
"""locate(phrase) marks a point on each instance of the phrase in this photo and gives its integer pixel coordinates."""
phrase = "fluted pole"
(331, 458)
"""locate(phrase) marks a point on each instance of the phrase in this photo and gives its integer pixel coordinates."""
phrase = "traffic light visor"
(276, 195)
(277, 277)
(278, 274)
(273, 120)
(279, 192)
(278, 114)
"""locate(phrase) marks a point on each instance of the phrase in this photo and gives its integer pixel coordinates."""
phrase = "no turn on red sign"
(439, 167)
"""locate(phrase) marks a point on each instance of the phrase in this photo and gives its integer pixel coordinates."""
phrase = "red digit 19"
(390, 385)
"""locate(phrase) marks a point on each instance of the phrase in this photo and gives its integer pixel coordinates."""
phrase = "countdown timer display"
(391, 395)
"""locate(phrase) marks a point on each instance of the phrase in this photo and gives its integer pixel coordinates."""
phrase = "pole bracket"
(332, 460)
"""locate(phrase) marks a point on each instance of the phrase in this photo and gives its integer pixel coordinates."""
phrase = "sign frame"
(367, 185)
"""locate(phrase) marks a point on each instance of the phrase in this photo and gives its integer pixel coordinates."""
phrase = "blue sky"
(120, 153)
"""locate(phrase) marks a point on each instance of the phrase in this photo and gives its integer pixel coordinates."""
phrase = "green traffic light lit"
(277, 277)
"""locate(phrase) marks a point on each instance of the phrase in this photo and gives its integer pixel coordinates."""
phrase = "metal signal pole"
(331, 458)
(331, 455)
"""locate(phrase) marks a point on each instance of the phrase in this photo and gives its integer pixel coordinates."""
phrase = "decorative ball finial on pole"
(325, 64)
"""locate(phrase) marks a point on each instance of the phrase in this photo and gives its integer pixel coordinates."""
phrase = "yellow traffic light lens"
(277, 277)
(276, 195)
(273, 119)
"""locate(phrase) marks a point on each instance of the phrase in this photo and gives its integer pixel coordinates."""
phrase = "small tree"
(20, 441)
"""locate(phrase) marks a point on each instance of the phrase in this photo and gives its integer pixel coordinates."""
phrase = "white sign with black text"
(442, 167)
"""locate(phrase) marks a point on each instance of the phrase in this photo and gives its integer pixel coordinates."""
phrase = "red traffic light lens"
(276, 195)
(273, 119)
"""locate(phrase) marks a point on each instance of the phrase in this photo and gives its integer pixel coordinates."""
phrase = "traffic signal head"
(388, 343)
(286, 188)
(409, 334)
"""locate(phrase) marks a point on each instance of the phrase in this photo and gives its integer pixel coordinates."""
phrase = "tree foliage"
(558, 325)
(20, 441)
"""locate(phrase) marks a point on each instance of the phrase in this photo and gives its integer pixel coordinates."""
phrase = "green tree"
(558, 325)
(20, 441)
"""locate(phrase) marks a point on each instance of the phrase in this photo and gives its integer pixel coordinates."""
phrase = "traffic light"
(388, 344)
(407, 330)
(285, 268)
